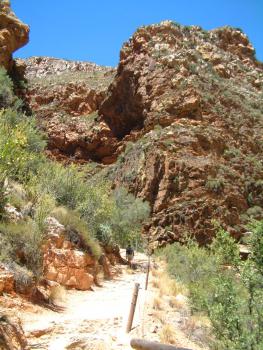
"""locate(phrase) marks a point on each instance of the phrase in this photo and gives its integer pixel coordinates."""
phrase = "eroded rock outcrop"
(6, 280)
(13, 34)
(65, 95)
(157, 79)
(188, 105)
(64, 263)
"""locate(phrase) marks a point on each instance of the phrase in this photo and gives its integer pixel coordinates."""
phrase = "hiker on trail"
(129, 254)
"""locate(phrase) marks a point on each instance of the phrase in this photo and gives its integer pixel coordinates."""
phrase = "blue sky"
(95, 30)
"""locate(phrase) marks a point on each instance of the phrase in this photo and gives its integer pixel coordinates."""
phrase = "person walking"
(129, 254)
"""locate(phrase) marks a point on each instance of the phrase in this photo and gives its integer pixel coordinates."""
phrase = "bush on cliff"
(6, 89)
(224, 287)
(94, 202)
(77, 230)
(21, 145)
(21, 241)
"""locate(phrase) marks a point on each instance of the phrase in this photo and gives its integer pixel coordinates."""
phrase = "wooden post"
(141, 344)
(147, 273)
(133, 306)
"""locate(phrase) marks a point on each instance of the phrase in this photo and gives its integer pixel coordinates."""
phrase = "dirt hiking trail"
(89, 319)
(97, 319)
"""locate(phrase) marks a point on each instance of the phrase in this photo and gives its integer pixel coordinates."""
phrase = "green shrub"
(77, 230)
(231, 297)
(105, 234)
(22, 240)
(22, 243)
(194, 267)
(97, 207)
(127, 218)
(215, 185)
(6, 89)
(43, 208)
(66, 185)
(17, 201)
(20, 145)
(3, 197)
(255, 212)
(224, 247)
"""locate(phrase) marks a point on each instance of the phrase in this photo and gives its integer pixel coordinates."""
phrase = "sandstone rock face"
(6, 281)
(13, 34)
(159, 66)
(64, 264)
(188, 107)
(64, 95)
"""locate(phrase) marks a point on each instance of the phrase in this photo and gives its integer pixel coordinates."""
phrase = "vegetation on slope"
(223, 287)
(38, 188)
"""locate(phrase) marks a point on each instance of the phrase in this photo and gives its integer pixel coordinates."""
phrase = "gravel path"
(89, 319)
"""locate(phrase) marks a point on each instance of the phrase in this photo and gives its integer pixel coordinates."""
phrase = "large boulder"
(64, 263)
(13, 34)
(69, 267)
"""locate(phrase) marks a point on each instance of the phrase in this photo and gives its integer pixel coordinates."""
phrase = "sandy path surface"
(97, 319)
(89, 319)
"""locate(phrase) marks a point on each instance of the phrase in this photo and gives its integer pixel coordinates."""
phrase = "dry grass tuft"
(157, 303)
(175, 303)
(155, 272)
(170, 286)
(160, 316)
(189, 326)
(194, 322)
(57, 294)
(168, 334)
(156, 283)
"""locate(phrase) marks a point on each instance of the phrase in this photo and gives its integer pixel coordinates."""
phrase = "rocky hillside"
(185, 104)
(191, 103)
(65, 95)
(13, 34)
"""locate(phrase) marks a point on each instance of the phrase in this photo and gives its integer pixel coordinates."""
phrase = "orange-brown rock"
(65, 95)
(13, 34)
(186, 103)
(6, 281)
(64, 263)
(11, 334)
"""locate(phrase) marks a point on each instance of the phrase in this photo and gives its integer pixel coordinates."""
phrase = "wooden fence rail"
(133, 306)
(141, 344)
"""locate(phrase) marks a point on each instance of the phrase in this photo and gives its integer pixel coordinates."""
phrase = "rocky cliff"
(184, 114)
(190, 102)
(65, 95)
(13, 34)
